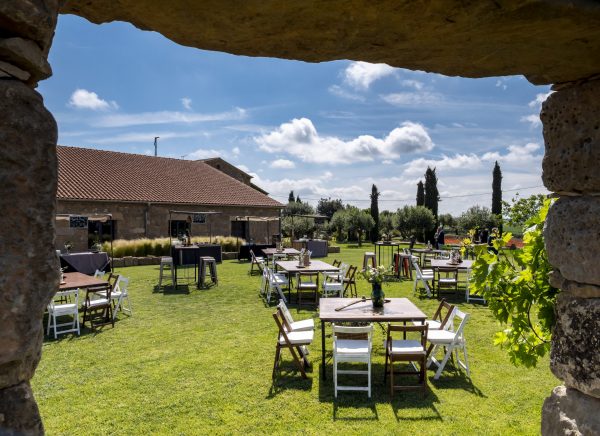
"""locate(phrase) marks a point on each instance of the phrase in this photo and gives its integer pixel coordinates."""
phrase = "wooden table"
(397, 310)
(75, 280)
(292, 268)
(287, 251)
(443, 263)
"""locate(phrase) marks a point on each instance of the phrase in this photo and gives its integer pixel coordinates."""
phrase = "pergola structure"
(261, 219)
(193, 217)
(547, 41)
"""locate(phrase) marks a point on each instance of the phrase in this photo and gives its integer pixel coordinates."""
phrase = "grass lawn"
(201, 362)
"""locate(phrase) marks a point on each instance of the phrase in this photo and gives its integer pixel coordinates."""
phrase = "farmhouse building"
(139, 193)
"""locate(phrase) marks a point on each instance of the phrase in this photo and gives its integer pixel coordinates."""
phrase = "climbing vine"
(518, 292)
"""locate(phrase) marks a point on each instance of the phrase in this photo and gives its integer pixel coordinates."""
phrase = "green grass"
(201, 363)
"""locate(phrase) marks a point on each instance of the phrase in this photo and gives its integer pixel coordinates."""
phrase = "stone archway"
(546, 41)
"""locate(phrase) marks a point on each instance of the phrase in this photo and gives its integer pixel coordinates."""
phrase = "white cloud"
(539, 99)
(412, 98)
(417, 167)
(343, 93)
(533, 120)
(413, 84)
(84, 99)
(518, 155)
(282, 163)
(387, 162)
(236, 151)
(300, 139)
(501, 84)
(202, 153)
(186, 102)
(167, 117)
(360, 75)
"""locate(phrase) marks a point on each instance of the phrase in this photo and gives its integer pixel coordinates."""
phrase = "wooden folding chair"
(442, 318)
(407, 350)
(98, 306)
(446, 278)
(350, 282)
(293, 341)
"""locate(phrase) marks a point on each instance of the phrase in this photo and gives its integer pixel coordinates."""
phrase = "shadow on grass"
(405, 402)
(456, 380)
(172, 290)
(289, 378)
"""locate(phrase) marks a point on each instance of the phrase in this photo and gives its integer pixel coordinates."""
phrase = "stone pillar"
(571, 169)
(28, 172)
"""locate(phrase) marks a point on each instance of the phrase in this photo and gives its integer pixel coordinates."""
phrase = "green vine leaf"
(518, 292)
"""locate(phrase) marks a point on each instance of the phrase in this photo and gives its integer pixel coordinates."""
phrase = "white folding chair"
(99, 274)
(295, 326)
(275, 282)
(255, 260)
(56, 309)
(120, 294)
(423, 276)
(352, 350)
(451, 342)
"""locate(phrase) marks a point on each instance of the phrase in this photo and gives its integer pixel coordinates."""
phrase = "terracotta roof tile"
(89, 174)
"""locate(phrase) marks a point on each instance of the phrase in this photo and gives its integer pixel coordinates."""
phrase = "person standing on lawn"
(439, 237)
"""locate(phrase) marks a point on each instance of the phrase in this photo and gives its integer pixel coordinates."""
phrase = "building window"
(99, 231)
(178, 228)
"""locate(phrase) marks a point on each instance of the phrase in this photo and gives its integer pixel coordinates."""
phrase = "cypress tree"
(432, 196)
(420, 194)
(291, 197)
(375, 213)
(298, 199)
(497, 192)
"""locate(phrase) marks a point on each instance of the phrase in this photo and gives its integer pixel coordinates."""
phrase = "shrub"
(161, 246)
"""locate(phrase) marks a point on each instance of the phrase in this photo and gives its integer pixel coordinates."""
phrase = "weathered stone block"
(572, 236)
(575, 353)
(569, 412)
(572, 139)
(127, 261)
(31, 19)
(118, 263)
(27, 55)
(19, 414)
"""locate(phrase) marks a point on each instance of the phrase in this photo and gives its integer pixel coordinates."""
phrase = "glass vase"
(377, 295)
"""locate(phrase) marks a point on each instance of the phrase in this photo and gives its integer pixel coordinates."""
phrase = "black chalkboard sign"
(78, 222)
(199, 218)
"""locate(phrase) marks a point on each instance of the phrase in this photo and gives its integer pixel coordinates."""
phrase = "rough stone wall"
(130, 221)
(28, 172)
(570, 168)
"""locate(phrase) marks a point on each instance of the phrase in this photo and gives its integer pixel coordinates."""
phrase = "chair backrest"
(350, 273)
(123, 284)
(420, 330)
(113, 281)
(336, 262)
(447, 271)
(282, 325)
(62, 296)
(98, 274)
(464, 317)
(447, 319)
(285, 312)
(306, 277)
(415, 265)
(360, 331)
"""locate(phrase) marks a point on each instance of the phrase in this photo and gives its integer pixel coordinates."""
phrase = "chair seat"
(352, 347)
(304, 337)
(333, 286)
(305, 324)
(441, 337)
(279, 279)
(447, 280)
(307, 286)
(63, 309)
(99, 302)
(408, 346)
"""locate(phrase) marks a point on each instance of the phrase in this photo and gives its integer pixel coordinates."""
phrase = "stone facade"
(139, 220)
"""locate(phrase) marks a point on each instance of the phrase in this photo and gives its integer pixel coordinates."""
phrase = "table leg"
(323, 350)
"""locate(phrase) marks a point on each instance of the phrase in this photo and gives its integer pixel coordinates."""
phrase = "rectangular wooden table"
(75, 280)
(291, 267)
(271, 251)
(443, 263)
(396, 310)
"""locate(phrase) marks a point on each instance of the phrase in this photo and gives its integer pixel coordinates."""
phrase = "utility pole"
(156, 145)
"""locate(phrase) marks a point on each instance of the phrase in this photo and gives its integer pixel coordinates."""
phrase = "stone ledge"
(569, 412)
(581, 290)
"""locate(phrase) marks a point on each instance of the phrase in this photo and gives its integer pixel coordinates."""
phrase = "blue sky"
(324, 130)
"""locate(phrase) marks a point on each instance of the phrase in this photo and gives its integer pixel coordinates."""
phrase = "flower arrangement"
(375, 275)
